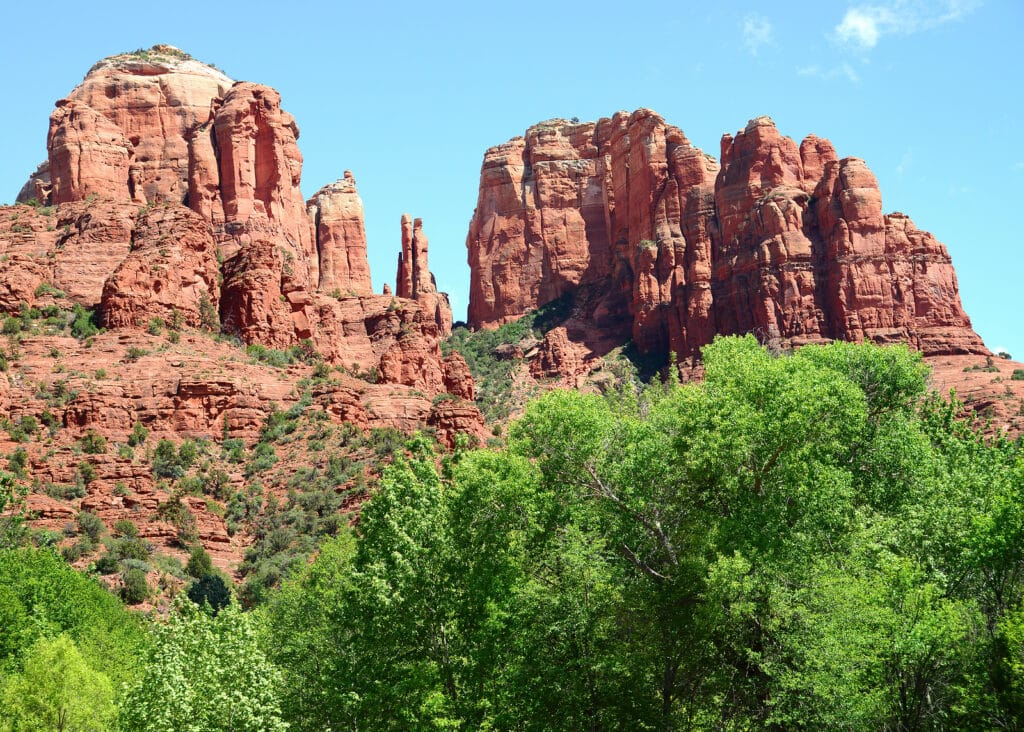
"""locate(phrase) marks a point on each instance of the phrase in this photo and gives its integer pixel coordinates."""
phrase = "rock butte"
(660, 243)
(219, 162)
(171, 192)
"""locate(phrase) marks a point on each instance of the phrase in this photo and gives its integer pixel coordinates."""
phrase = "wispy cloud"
(757, 32)
(864, 25)
(829, 74)
(905, 162)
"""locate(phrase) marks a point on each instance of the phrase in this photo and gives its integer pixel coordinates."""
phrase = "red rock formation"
(806, 253)
(623, 205)
(337, 214)
(169, 273)
(656, 242)
(70, 251)
(122, 132)
(414, 279)
(457, 378)
(452, 418)
(88, 154)
(38, 187)
(539, 219)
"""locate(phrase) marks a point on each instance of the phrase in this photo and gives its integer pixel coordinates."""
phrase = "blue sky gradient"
(408, 97)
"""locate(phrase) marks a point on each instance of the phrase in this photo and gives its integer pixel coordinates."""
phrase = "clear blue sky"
(408, 96)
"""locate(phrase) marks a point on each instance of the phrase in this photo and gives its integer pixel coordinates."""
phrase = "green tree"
(210, 590)
(57, 690)
(199, 562)
(13, 531)
(799, 541)
(204, 673)
(41, 596)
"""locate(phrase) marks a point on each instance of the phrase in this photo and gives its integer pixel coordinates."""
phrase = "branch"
(654, 527)
(642, 565)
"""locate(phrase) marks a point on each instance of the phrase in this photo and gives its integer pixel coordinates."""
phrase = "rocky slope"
(169, 213)
(661, 243)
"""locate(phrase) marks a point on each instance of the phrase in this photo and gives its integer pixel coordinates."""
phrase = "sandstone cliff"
(169, 213)
(157, 128)
(660, 243)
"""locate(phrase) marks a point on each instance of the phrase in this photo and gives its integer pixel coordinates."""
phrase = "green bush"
(18, 461)
(135, 587)
(49, 420)
(199, 562)
(212, 590)
(175, 512)
(65, 492)
(166, 463)
(90, 525)
(106, 564)
(45, 288)
(83, 324)
(263, 459)
(131, 547)
(93, 443)
(86, 472)
(208, 316)
(233, 450)
(126, 528)
(269, 356)
(138, 435)
(177, 320)
(169, 565)
(28, 424)
(1018, 375)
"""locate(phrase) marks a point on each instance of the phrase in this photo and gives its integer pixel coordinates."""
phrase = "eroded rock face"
(89, 154)
(70, 251)
(337, 214)
(122, 133)
(414, 280)
(660, 244)
(170, 273)
(159, 133)
(806, 253)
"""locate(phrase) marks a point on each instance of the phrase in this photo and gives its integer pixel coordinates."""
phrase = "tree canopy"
(802, 541)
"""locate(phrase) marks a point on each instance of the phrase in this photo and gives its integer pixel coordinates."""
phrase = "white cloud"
(905, 162)
(757, 32)
(864, 25)
(828, 74)
(860, 26)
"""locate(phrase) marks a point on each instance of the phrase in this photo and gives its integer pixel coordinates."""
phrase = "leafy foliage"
(41, 596)
(204, 673)
(211, 590)
(802, 541)
(57, 690)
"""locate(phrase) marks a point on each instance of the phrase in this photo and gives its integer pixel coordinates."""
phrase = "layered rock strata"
(177, 195)
(340, 234)
(660, 243)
